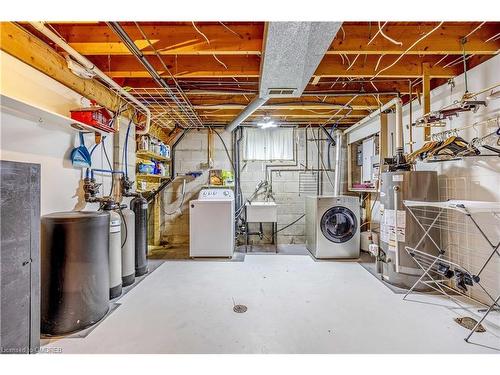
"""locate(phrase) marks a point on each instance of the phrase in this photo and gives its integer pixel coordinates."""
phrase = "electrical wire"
(208, 42)
(386, 36)
(378, 61)
(232, 165)
(225, 148)
(231, 30)
(473, 31)
(494, 37)
(316, 141)
(378, 32)
(440, 60)
(408, 49)
(353, 61)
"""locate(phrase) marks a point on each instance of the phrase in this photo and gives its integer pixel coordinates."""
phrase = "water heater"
(398, 228)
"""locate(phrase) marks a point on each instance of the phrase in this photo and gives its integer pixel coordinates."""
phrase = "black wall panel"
(19, 257)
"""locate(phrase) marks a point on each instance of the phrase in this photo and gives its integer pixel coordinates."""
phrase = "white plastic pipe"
(398, 104)
(40, 26)
(338, 163)
(399, 124)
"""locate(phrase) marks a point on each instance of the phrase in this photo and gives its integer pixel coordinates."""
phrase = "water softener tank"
(115, 250)
(128, 246)
(140, 207)
(74, 270)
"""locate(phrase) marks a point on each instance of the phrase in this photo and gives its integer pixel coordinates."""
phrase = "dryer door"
(338, 224)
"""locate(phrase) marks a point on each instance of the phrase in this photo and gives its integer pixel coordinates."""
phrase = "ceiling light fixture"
(267, 123)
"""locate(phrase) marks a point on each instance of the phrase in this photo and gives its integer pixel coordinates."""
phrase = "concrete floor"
(295, 305)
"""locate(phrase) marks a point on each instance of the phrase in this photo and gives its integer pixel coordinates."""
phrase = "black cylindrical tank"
(140, 207)
(74, 270)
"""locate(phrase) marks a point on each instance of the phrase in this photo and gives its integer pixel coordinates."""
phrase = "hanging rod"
(447, 133)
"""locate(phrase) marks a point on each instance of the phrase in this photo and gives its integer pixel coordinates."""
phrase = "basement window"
(268, 144)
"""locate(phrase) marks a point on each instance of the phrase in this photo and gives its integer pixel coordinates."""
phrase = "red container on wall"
(95, 116)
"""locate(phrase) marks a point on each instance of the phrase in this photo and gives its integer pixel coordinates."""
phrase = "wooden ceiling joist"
(22, 45)
(248, 66)
(168, 38)
(406, 67)
(181, 66)
(217, 65)
(444, 41)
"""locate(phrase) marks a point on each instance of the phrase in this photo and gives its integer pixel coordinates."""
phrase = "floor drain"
(469, 323)
(240, 309)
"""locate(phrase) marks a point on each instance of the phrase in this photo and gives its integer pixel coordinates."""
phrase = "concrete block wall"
(190, 155)
(191, 152)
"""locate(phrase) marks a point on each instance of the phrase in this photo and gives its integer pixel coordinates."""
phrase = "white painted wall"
(25, 139)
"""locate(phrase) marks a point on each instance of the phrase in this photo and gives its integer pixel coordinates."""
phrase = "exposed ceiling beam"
(248, 66)
(446, 40)
(406, 67)
(181, 66)
(183, 39)
(357, 103)
(193, 86)
(22, 45)
(168, 38)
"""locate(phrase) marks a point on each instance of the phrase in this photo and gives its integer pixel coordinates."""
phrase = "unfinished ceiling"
(217, 65)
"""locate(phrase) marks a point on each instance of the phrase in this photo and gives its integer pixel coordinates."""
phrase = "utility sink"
(262, 212)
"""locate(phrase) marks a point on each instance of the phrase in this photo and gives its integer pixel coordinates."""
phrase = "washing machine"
(332, 226)
(211, 224)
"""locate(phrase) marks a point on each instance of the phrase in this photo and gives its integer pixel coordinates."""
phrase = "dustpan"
(80, 156)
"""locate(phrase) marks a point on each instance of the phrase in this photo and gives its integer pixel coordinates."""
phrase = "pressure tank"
(74, 270)
(128, 246)
(140, 207)
(115, 250)
(398, 267)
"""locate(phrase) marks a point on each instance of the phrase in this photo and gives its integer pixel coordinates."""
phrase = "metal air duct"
(292, 53)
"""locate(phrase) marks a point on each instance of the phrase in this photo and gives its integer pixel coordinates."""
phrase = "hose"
(110, 166)
(182, 200)
(125, 148)
(125, 224)
(289, 225)
(231, 161)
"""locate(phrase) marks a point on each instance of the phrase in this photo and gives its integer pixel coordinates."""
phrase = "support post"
(426, 87)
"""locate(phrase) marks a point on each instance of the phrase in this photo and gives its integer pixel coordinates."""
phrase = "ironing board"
(429, 216)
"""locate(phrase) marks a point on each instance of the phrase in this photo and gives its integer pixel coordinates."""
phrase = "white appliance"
(211, 224)
(332, 226)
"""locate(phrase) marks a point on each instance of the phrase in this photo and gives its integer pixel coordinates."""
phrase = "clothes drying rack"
(439, 269)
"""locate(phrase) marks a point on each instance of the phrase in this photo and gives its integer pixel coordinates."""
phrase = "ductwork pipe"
(398, 104)
(394, 102)
(338, 162)
(251, 108)
(399, 124)
(40, 26)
